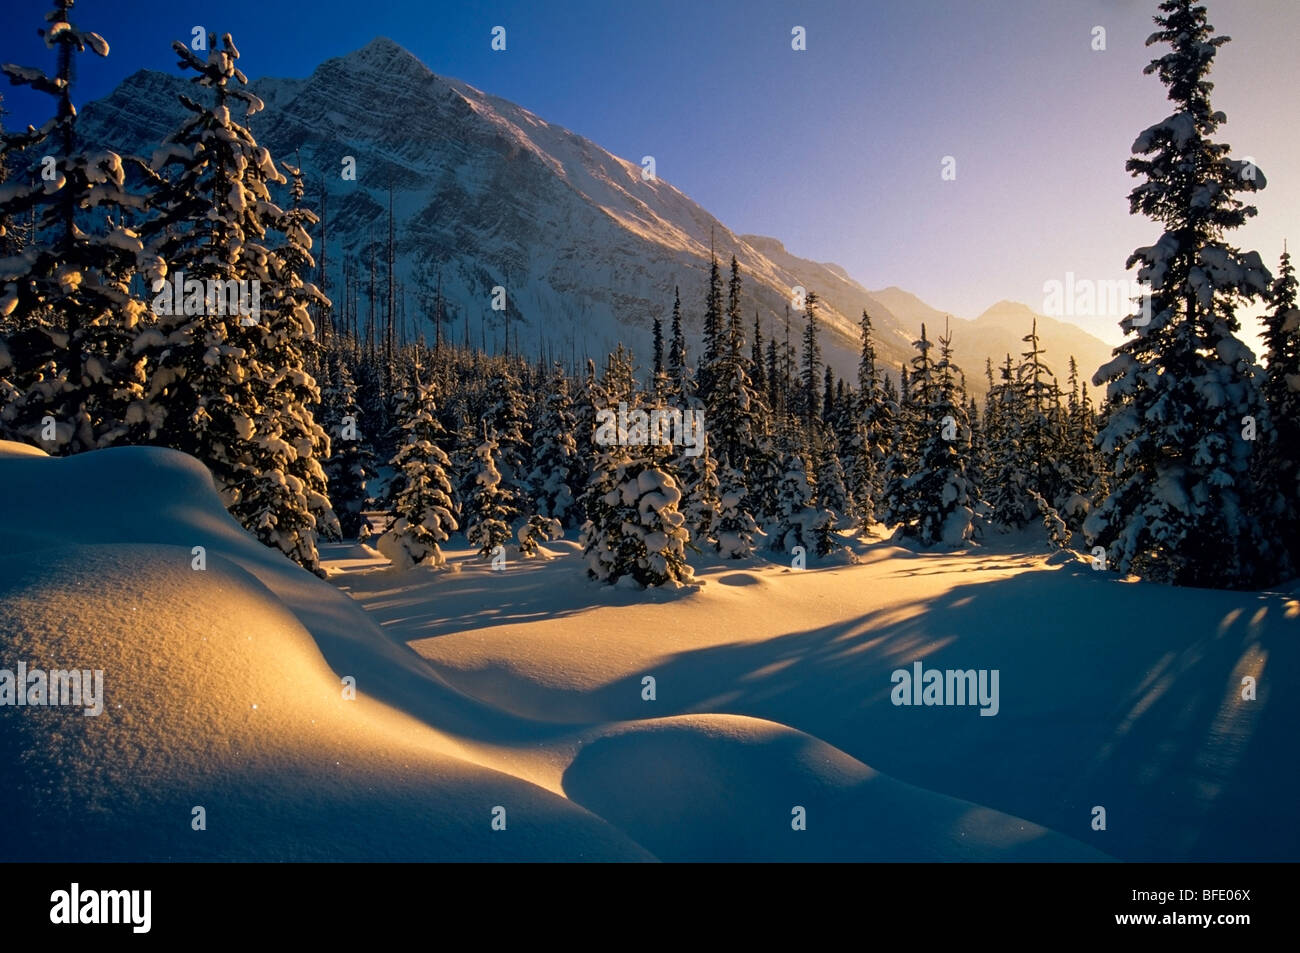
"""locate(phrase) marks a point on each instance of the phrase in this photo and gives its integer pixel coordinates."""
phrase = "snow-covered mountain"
(485, 193)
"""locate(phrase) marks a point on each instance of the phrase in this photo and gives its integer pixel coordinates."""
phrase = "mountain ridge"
(487, 193)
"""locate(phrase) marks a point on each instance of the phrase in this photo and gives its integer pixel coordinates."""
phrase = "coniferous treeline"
(1188, 472)
(797, 460)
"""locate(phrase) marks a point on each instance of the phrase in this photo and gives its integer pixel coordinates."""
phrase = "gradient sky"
(835, 150)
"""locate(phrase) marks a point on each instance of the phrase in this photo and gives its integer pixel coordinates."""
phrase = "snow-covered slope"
(487, 193)
(1113, 694)
(223, 689)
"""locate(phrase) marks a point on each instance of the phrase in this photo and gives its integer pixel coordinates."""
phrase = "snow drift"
(225, 689)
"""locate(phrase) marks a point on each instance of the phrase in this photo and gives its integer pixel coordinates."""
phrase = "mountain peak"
(386, 55)
(1004, 309)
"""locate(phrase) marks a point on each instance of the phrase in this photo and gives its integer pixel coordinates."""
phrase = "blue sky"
(836, 150)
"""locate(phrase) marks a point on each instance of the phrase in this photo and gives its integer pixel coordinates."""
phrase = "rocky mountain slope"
(485, 193)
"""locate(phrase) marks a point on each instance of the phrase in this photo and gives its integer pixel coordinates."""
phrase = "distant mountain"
(485, 193)
(999, 331)
(1001, 327)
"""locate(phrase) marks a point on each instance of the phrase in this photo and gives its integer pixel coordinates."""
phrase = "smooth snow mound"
(727, 787)
(217, 697)
(9, 448)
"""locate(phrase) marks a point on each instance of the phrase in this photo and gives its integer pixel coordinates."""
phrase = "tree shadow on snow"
(1112, 694)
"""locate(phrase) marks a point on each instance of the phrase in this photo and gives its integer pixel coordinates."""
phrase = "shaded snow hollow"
(522, 690)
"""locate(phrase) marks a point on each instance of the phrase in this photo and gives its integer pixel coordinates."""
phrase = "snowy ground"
(523, 690)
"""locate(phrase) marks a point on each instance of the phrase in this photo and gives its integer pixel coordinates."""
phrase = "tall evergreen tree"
(422, 510)
(929, 491)
(697, 477)
(735, 334)
(832, 491)
(1183, 505)
(213, 192)
(756, 359)
(775, 392)
(555, 453)
(1078, 455)
(714, 332)
(491, 506)
(810, 364)
(351, 463)
(69, 379)
(1040, 397)
(505, 411)
(290, 439)
(828, 396)
(677, 349)
(877, 407)
(658, 348)
(228, 382)
(734, 406)
(1279, 460)
(1009, 481)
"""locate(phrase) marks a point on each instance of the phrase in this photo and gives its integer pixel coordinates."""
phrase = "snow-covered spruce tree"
(697, 477)
(757, 368)
(351, 463)
(491, 507)
(213, 203)
(775, 390)
(1008, 481)
(764, 478)
(864, 457)
(68, 316)
(901, 505)
(1279, 459)
(422, 511)
(734, 405)
(619, 379)
(935, 502)
(228, 381)
(535, 530)
(714, 331)
(505, 411)
(400, 403)
(634, 528)
(1184, 506)
(659, 376)
(798, 521)
(736, 526)
(832, 494)
(1078, 458)
(977, 462)
(591, 398)
(809, 400)
(1057, 532)
(290, 440)
(554, 453)
(677, 365)
(733, 421)
(1040, 426)
(829, 410)
(946, 454)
